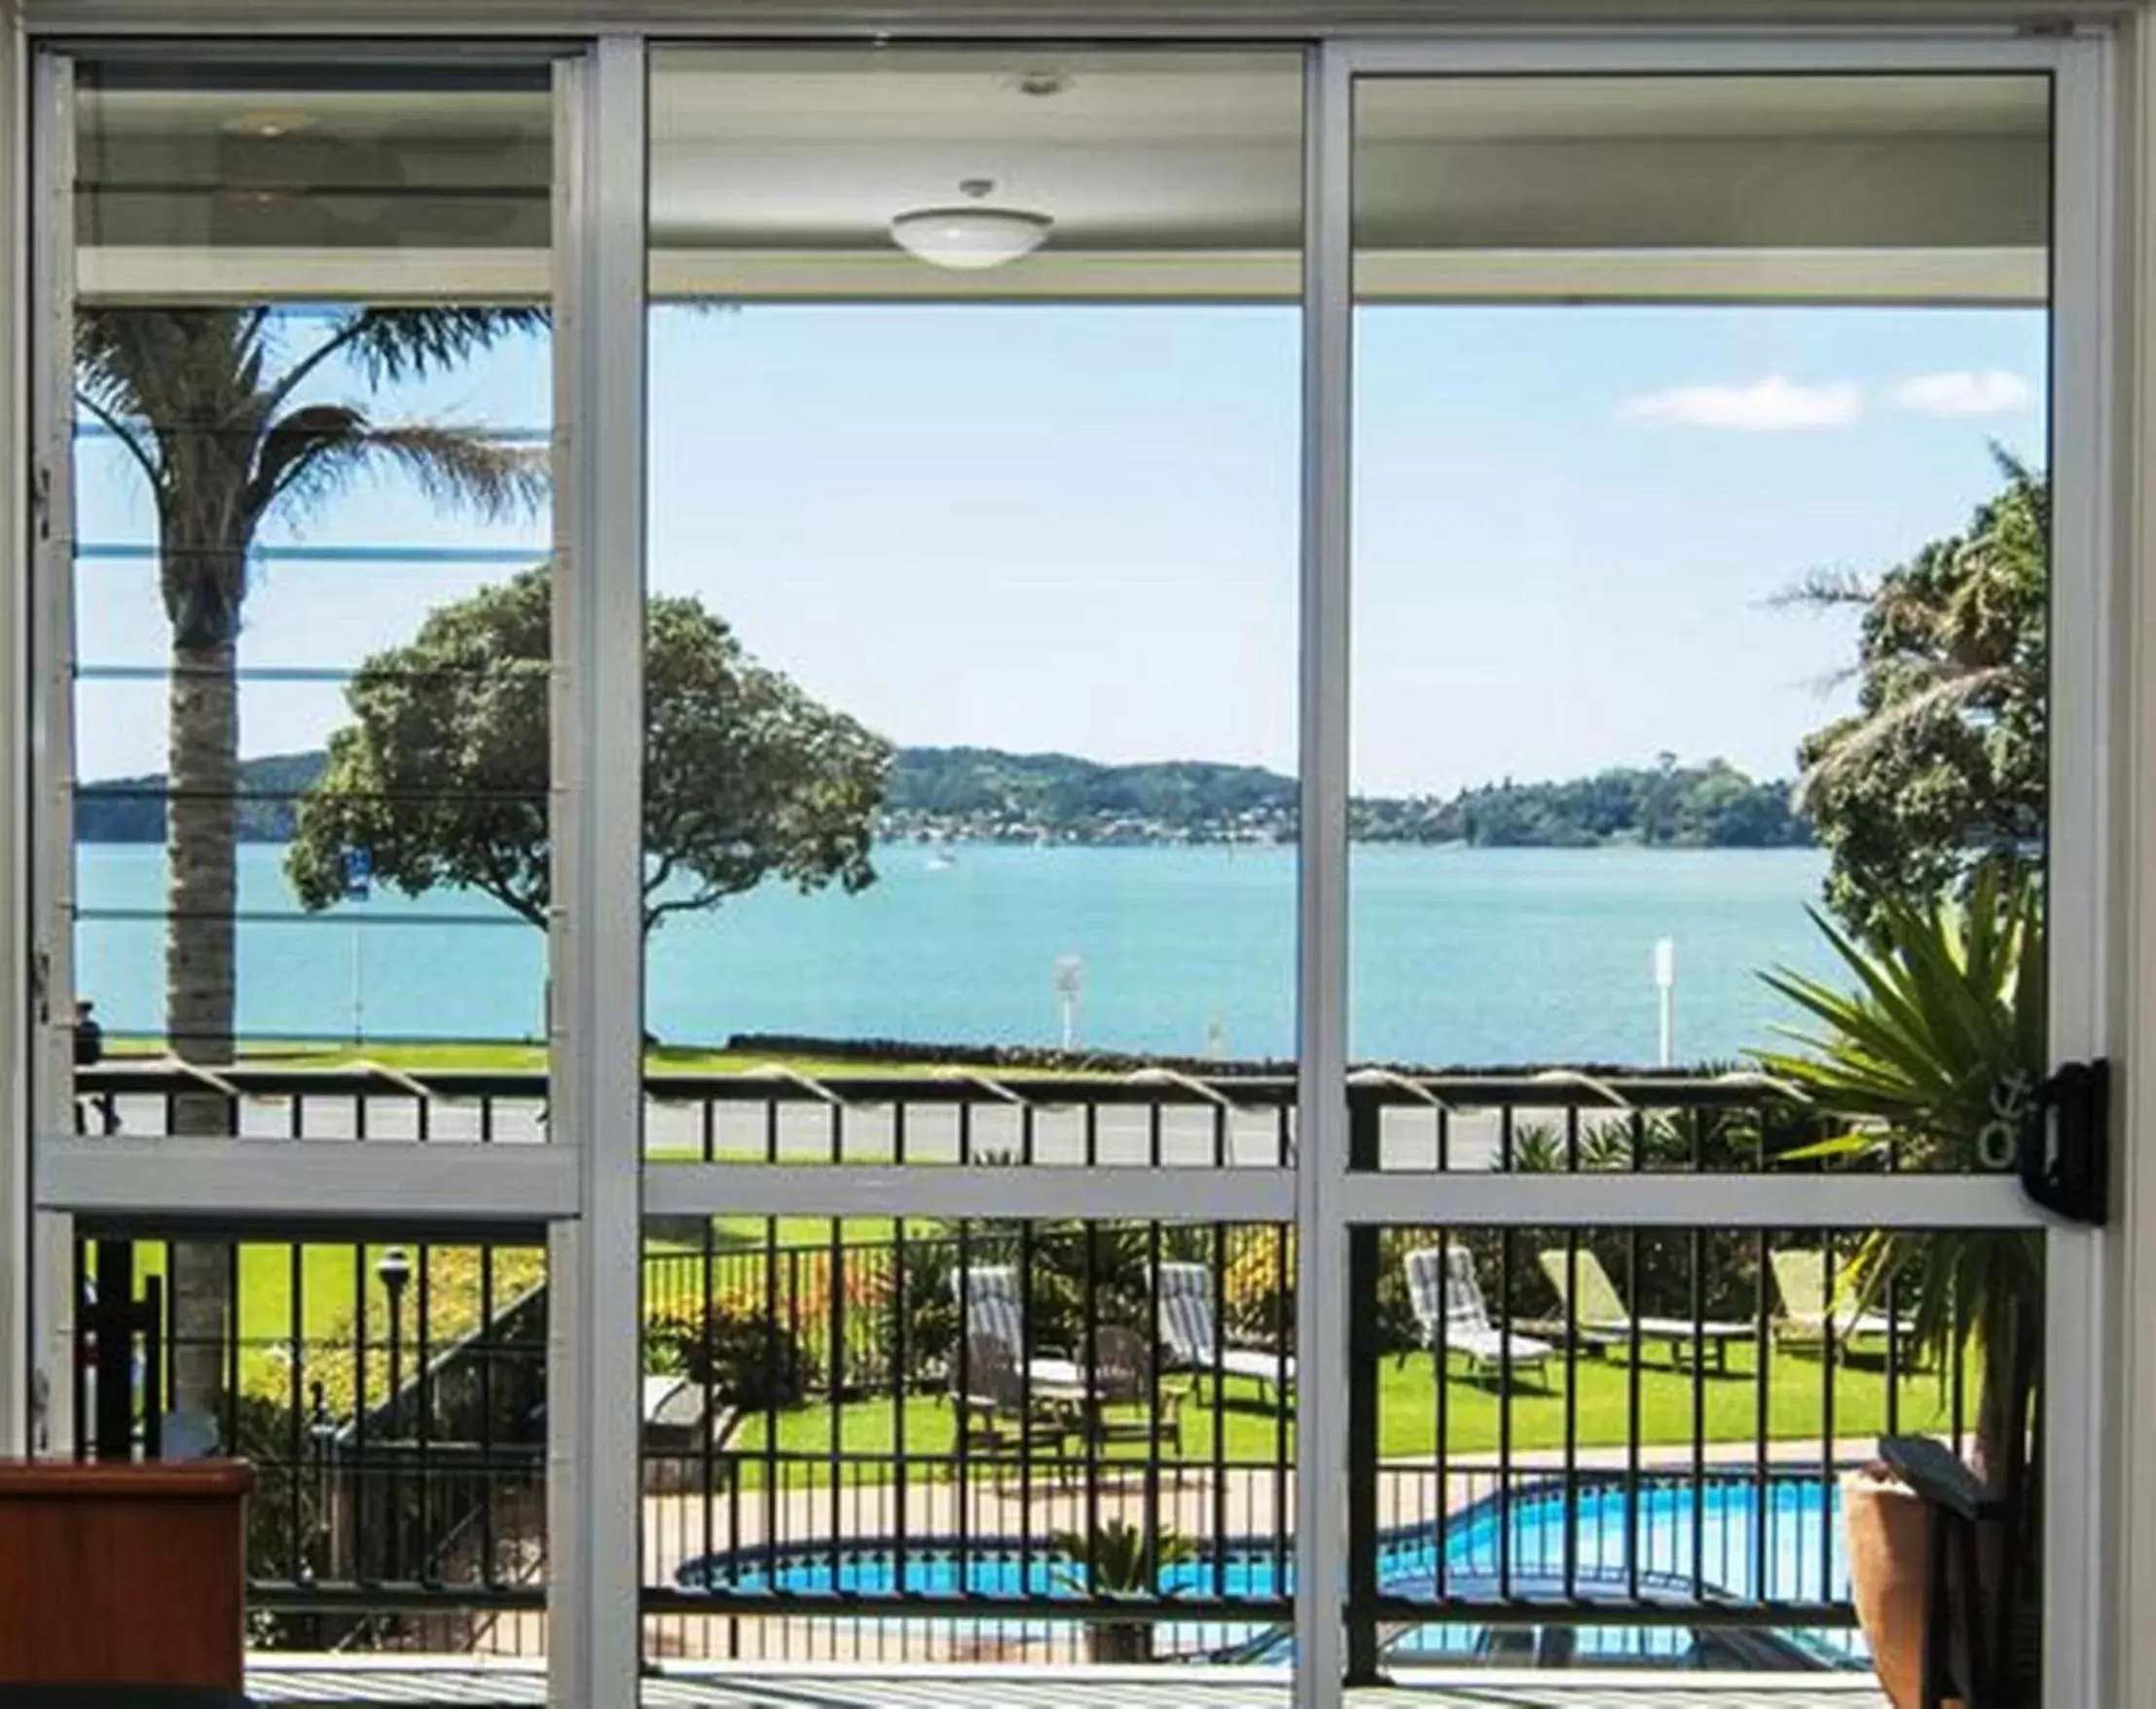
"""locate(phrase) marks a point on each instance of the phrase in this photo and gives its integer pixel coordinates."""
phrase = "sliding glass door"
(1135, 791)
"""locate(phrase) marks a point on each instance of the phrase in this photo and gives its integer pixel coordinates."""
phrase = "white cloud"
(1773, 404)
(1964, 393)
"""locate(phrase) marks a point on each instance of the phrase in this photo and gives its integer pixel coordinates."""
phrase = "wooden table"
(122, 1583)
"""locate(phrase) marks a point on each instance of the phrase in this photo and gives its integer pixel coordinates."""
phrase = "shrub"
(751, 1362)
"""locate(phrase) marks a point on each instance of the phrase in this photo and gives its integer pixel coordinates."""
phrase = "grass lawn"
(1408, 1413)
(330, 1281)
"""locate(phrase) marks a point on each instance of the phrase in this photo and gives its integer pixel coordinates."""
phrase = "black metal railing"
(831, 1471)
(390, 1399)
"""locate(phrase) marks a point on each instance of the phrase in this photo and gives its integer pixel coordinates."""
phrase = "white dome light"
(970, 236)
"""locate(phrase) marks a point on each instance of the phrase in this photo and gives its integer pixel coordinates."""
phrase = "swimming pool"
(1732, 1537)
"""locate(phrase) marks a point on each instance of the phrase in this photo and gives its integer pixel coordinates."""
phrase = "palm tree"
(1929, 1062)
(1944, 761)
(219, 407)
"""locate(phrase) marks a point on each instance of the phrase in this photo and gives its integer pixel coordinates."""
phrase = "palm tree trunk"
(202, 835)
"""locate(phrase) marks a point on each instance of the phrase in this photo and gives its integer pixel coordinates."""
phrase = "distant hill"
(983, 792)
(131, 809)
(987, 795)
(1711, 806)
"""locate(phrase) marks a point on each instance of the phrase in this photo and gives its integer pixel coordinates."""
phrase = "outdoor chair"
(998, 1417)
(1801, 1285)
(1124, 1377)
(683, 1434)
(1600, 1318)
(991, 1301)
(1192, 1335)
(1451, 1315)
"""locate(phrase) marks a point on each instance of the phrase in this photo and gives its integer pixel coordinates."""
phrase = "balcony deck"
(446, 1683)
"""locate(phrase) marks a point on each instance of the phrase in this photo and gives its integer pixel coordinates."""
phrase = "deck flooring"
(451, 1685)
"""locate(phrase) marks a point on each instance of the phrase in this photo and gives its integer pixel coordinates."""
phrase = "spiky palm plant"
(1933, 1059)
(221, 409)
(1119, 1558)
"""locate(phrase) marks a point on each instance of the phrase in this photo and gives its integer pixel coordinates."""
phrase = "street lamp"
(395, 1270)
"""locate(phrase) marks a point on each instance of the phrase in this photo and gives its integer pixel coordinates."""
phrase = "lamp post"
(1665, 990)
(1070, 981)
(395, 1270)
(321, 1433)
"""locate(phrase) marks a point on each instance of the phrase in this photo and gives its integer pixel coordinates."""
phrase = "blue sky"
(1076, 527)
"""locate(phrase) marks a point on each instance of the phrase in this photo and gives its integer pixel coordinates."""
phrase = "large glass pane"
(1700, 551)
(1700, 575)
(969, 811)
(311, 641)
(973, 712)
(310, 669)
(888, 1439)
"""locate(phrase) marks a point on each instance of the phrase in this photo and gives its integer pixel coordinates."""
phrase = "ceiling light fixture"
(266, 125)
(972, 236)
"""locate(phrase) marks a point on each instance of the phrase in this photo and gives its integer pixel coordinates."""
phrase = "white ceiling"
(777, 171)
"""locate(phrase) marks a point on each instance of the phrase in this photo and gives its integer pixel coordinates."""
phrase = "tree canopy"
(442, 778)
(1668, 804)
(1943, 764)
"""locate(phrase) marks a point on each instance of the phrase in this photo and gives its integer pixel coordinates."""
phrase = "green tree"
(1943, 763)
(223, 410)
(443, 776)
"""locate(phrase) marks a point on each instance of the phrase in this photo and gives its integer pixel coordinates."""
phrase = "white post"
(1666, 987)
(358, 985)
(1070, 979)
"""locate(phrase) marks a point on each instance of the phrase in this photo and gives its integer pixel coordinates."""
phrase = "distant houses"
(986, 796)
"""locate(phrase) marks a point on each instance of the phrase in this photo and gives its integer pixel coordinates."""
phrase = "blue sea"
(1458, 954)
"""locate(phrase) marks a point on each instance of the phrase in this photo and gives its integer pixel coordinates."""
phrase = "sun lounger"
(1599, 1314)
(1451, 1314)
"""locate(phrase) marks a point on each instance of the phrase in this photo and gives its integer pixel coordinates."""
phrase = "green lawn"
(330, 1281)
(1407, 1413)
(748, 1234)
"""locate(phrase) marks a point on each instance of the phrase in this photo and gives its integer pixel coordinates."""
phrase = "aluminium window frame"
(589, 1181)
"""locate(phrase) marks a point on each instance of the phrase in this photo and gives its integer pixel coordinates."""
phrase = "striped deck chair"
(1190, 1333)
(1446, 1296)
(995, 1312)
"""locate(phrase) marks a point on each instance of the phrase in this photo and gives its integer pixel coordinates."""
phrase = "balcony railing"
(913, 1439)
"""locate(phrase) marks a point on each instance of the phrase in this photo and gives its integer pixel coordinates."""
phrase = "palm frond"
(1945, 1010)
(466, 470)
(1951, 691)
(390, 344)
(1824, 589)
(313, 451)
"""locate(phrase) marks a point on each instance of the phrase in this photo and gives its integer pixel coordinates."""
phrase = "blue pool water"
(1781, 1541)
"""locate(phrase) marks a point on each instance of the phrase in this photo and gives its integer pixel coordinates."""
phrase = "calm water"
(1460, 956)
